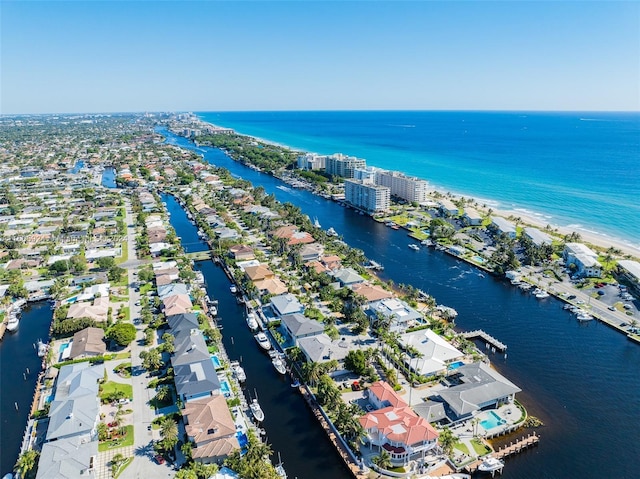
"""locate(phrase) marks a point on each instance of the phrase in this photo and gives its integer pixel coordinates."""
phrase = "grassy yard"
(460, 446)
(127, 440)
(125, 253)
(110, 388)
(145, 288)
(479, 447)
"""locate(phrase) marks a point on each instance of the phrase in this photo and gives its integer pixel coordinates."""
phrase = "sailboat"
(280, 468)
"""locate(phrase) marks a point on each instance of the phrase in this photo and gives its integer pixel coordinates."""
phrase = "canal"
(582, 380)
(291, 429)
(19, 368)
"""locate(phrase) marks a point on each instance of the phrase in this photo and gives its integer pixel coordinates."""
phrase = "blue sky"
(90, 56)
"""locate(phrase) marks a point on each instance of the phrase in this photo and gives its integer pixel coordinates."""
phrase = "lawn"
(145, 288)
(460, 446)
(479, 447)
(127, 440)
(125, 253)
(110, 388)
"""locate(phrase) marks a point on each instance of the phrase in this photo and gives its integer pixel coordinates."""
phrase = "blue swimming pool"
(492, 421)
(216, 362)
(225, 387)
(455, 365)
(242, 439)
(71, 300)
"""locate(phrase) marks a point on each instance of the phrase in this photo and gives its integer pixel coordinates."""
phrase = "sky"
(208, 55)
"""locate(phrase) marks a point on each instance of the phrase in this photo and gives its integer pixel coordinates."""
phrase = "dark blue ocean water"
(571, 169)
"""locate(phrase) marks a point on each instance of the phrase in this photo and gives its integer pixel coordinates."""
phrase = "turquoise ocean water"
(569, 169)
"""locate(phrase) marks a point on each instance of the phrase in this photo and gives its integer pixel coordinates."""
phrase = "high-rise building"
(341, 165)
(311, 161)
(408, 188)
(366, 196)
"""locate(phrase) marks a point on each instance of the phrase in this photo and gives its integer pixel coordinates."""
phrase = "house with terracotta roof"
(271, 286)
(371, 292)
(293, 235)
(331, 262)
(381, 395)
(241, 252)
(311, 252)
(211, 429)
(400, 432)
(258, 273)
(177, 304)
(87, 343)
(96, 311)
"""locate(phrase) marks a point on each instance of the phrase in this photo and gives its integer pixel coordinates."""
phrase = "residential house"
(286, 304)
(347, 277)
(241, 252)
(434, 352)
(297, 326)
(397, 313)
(371, 292)
(177, 304)
(537, 237)
(503, 226)
(311, 252)
(196, 380)
(380, 395)
(211, 429)
(584, 259)
(96, 311)
(172, 289)
(87, 343)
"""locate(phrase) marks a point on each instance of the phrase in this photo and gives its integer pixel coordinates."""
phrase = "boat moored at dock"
(263, 341)
(256, 410)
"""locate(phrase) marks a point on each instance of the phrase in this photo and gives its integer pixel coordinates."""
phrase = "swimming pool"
(71, 300)
(65, 352)
(225, 387)
(492, 421)
(242, 439)
(478, 259)
(455, 365)
(216, 362)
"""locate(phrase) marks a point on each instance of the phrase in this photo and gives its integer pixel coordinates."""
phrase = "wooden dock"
(487, 338)
(513, 448)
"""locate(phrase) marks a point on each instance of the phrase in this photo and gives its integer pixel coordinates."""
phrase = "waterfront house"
(380, 395)
(293, 235)
(88, 342)
(503, 226)
(473, 387)
(537, 237)
(156, 249)
(347, 277)
(177, 304)
(258, 273)
(211, 429)
(320, 348)
(311, 252)
(584, 259)
(371, 292)
(98, 277)
(167, 290)
(399, 431)
(472, 217)
(96, 311)
(225, 233)
(271, 286)
(69, 458)
(297, 326)
(432, 411)
(196, 380)
(190, 347)
(182, 322)
(331, 262)
(241, 252)
(285, 304)
(629, 272)
(434, 352)
(397, 313)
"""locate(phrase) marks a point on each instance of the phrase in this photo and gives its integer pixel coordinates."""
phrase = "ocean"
(574, 169)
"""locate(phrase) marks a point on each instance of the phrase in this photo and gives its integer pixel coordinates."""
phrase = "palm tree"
(169, 432)
(446, 440)
(312, 372)
(26, 462)
(383, 460)
(164, 393)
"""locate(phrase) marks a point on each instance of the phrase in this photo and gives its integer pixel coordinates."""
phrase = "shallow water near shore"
(574, 168)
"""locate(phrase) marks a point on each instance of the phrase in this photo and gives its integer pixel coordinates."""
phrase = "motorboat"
(280, 468)
(233, 289)
(490, 464)
(42, 348)
(316, 223)
(584, 316)
(278, 362)
(332, 232)
(414, 247)
(263, 341)
(238, 371)
(13, 323)
(541, 294)
(252, 322)
(256, 410)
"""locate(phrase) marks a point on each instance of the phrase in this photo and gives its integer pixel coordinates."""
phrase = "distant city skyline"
(122, 56)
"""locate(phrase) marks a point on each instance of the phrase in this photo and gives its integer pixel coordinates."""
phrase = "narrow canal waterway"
(19, 368)
(582, 380)
(291, 428)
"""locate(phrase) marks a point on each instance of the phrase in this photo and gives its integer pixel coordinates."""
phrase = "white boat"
(13, 323)
(584, 316)
(426, 242)
(238, 371)
(541, 294)
(213, 310)
(256, 410)
(278, 363)
(490, 464)
(414, 247)
(280, 468)
(233, 289)
(42, 348)
(316, 223)
(263, 341)
(332, 232)
(252, 322)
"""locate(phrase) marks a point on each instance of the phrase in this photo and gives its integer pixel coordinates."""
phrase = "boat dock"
(487, 338)
(513, 448)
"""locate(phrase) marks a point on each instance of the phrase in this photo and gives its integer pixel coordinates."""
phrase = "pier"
(200, 255)
(513, 448)
(486, 337)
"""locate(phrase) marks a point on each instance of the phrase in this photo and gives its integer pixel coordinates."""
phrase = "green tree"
(151, 360)
(169, 433)
(106, 262)
(446, 440)
(383, 460)
(355, 361)
(26, 462)
(122, 333)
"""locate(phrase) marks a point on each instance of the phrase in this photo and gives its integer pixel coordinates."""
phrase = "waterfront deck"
(487, 338)
(513, 448)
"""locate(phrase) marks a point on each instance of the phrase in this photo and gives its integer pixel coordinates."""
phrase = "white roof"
(633, 267)
(436, 351)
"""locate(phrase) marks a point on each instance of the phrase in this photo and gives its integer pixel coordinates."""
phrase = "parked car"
(159, 459)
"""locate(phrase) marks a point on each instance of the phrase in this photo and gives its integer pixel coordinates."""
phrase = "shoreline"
(593, 236)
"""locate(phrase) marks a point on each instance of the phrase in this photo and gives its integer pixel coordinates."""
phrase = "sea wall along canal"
(581, 379)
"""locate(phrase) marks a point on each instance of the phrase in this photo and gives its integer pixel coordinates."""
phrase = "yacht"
(414, 247)
(584, 317)
(256, 410)
(316, 223)
(238, 371)
(541, 294)
(332, 232)
(490, 464)
(278, 362)
(252, 322)
(13, 323)
(263, 341)
(42, 348)
(233, 289)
